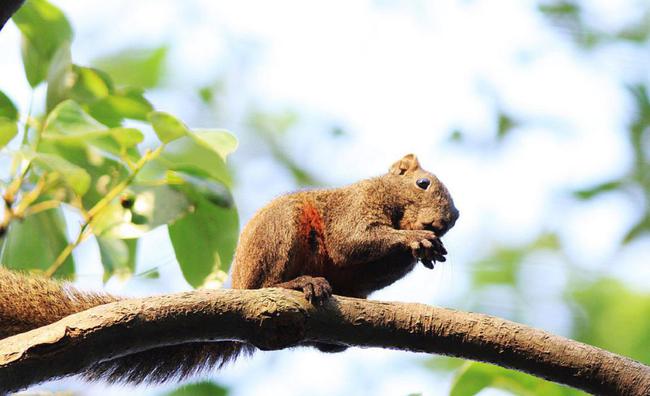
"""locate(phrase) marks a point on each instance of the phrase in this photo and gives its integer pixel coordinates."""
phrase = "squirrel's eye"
(423, 183)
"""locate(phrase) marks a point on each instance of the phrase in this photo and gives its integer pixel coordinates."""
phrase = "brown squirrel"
(349, 241)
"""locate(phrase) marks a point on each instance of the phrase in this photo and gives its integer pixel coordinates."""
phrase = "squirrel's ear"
(407, 164)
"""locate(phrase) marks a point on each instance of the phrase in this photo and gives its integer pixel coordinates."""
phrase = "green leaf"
(505, 124)
(611, 316)
(75, 177)
(118, 257)
(8, 130)
(590, 193)
(90, 84)
(126, 137)
(640, 228)
(138, 67)
(204, 388)
(220, 141)
(44, 28)
(60, 77)
(204, 242)
(166, 126)
(199, 157)
(152, 207)
(7, 109)
(36, 241)
(68, 118)
(123, 103)
(474, 377)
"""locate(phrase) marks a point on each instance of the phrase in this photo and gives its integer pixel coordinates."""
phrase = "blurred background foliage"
(92, 158)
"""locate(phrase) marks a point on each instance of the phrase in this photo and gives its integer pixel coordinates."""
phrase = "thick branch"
(278, 318)
(7, 9)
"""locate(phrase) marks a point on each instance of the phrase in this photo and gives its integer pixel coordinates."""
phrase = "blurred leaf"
(640, 228)
(613, 317)
(90, 84)
(68, 118)
(118, 257)
(204, 242)
(152, 273)
(36, 241)
(166, 126)
(60, 77)
(474, 377)
(138, 67)
(44, 28)
(75, 177)
(456, 136)
(560, 9)
(444, 363)
(123, 103)
(221, 142)
(105, 172)
(212, 191)
(8, 130)
(7, 109)
(638, 32)
(152, 207)
(199, 157)
(126, 137)
(592, 192)
(206, 94)
(505, 124)
(199, 389)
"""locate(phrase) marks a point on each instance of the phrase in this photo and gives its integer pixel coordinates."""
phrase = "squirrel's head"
(427, 202)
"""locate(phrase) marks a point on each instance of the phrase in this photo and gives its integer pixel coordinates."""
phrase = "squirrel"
(348, 241)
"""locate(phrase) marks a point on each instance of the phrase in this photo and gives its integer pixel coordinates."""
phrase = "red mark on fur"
(312, 232)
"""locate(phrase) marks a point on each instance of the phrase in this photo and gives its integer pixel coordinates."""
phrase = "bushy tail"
(27, 303)
(164, 364)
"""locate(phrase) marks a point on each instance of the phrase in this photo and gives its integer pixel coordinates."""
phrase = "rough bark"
(278, 318)
(7, 9)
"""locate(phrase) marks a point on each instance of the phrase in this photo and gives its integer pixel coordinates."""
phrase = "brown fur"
(349, 241)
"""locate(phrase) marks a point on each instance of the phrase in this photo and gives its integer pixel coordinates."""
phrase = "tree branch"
(278, 318)
(7, 9)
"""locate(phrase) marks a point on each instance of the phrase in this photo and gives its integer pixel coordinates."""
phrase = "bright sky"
(399, 76)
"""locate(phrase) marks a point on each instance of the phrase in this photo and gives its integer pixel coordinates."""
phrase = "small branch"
(278, 318)
(7, 9)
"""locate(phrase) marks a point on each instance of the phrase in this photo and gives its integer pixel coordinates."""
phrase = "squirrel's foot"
(426, 247)
(316, 289)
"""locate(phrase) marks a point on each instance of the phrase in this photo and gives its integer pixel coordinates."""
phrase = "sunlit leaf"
(118, 257)
(139, 67)
(44, 28)
(611, 316)
(166, 126)
(36, 242)
(68, 118)
(474, 377)
(640, 228)
(193, 156)
(505, 124)
(60, 77)
(151, 207)
(120, 104)
(199, 389)
(105, 172)
(8, 130)
(592, 192)
(75, 177)
(7, 109)
(204, 242)
(221, 142)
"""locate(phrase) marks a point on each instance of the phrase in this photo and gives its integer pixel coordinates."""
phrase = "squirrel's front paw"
(426, 247)
(316, 289)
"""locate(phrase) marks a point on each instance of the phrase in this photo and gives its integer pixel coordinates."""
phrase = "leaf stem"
(84, 232)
